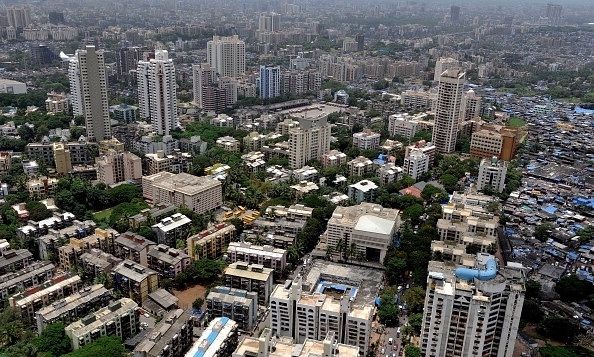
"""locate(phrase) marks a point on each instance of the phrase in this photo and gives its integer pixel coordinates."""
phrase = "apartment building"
(134, 280)
(69, 255)
(34, 298)
(403, 125)
(12, 260)
(211, 243)
(198, 194)
(265, 255)
(492, 173)
(330, 298)
(251, 277)
(171, 337)
(167, 261)
(218, 339)
(114, 167)
(473, 309)
(390, 147)
(333, 158)
(96, 262)
(299, 82)
(172, 228)
(419, 99)
(360, 166)
(389, 172)
(426, 148)
(149, 215)
(254, 161)
(73, 307)
(120, 318)
(34, 274)
(177, 162)
(471, 106)
(42, 186)
(5, 162)
(447, 112)
(443, 64)
(306, 173)
(462, 224)
(495, 141)
(283, 127)
(223, 120)
(366, 140)
(57, 103)
(253, 141)
(370, 227)
(362, 191)
(415, 164)
(228, 143)
(267, 345)
(310, 140)
(227, 55)
(239, 305)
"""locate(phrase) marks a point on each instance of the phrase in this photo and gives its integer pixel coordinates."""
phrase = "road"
(392, 332)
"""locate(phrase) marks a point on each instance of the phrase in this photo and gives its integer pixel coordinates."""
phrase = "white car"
(147, 315)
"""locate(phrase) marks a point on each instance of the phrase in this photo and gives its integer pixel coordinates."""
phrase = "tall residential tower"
(308, 141)
(227, 55)
(157, 92)
(447, 113)
(88, 90)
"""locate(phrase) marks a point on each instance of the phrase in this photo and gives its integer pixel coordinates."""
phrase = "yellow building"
(62, 158)
(211, 243)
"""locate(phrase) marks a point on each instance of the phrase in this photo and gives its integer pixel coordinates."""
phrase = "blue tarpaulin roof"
(550, 209)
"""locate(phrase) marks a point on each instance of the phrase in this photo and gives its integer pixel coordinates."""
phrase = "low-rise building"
(210, 243)
(415, 164)
(265, 255)
(133, 247)
(403, 125)
(34, 298)
(167, 261)
(114, 167)
(57, 103)
(239, 305)
(366, 140)
(96, 262)
(176, 162)
(134, 280)
(172, 336)
(149, 216)
(218, 339)
(360, 166)
(269, 345)
(254, 161)
(14, 259)
(30, 167)
(362, 191)
(120, 318)
(333, 158)
(250, 277)
(34, 274)
(170, 229)
(492, 173)
(306, 173)
(228, 143)
(389, 172)
(73, 307)
(42, 186)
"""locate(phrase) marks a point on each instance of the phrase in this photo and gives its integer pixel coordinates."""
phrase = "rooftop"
(133, 271)
(212, 338)
(101, 317)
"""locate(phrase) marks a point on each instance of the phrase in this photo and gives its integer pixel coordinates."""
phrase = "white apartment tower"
(473, 310)
(447, 113)
(416, 163)
(443, 64)
(269, 22)
(157, 92)
(227, 55)
(88, 85)
(492, 172)
(309, 141)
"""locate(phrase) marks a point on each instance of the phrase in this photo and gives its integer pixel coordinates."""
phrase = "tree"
(412, 351)
(559, 329)
(571, 288)
(531, 312)
(541, 232)
(37, 211)
(533, 288)
(52, 341)
(416, 321)
(197, 304)
(413, 213)
(104, 346)
(105, 279)
(415, 299)
(449, 182)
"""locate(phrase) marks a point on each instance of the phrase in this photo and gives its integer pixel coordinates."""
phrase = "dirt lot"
(186, 297)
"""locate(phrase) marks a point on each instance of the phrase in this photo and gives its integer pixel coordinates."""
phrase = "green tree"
(533, 289)
(449, 182)
(37, 211)
(415, 299)
(197, 304)
(104, 346)
(571, 288)
(531, 312)
(541, 232)
(559, 329)
(416, 321)
(412, 351)
(53, 342)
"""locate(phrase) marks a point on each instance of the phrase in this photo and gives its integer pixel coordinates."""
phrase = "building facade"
(269, 83)
(226, 55)
(239, 305)
(492, 173)
(308, 141)
(447, 113)
(251, 277)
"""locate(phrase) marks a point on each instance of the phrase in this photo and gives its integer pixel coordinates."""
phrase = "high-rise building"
(114, 167)
(269, 22)
(269, 81)
(157, 93)
(444, 63)
(492, 172)
(360, 38)
(19, 17)
(454, 13)
(211, 92)
(127, 62)
(554, 13)
(88, 87)
(309, 141)
(471, 106)
(447, 114)
(226, 55)
(472, 310)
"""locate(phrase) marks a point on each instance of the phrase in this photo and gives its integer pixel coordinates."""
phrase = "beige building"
(250, 277)
(34, 298)
(495, 141)
(110, 144)
(333, 158)
(284, 126)
(308, 141)
(403, 125)
(114, 167)
(198, 194)
(228, 143)
(134, 280)
(267, 345)
(177, 162)
(360, 166)
(211, 243)
(366, 140)
(62, 158)
(42, 186)
(368, 228)
(447, 113)
(253, 141)
(120, 318)
(57, 103)
(73, 306)
(419, 99)
(172, 336)
(167, 261)
(5, 162)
